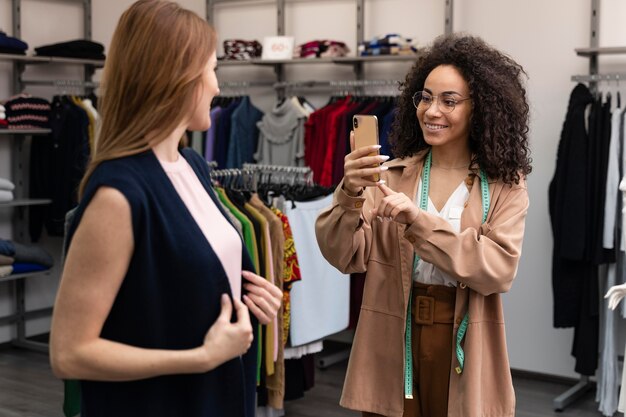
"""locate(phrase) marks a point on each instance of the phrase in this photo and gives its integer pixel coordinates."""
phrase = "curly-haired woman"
(440, 237)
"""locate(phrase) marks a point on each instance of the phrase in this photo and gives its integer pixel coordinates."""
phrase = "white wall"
(539, 35)
(532, 33)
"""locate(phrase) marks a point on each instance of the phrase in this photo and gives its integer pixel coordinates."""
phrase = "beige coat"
(483, 257)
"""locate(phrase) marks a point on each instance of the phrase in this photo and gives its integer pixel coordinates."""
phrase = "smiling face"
(446, 129)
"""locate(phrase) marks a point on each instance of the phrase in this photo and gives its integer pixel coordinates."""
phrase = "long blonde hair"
(155, 63)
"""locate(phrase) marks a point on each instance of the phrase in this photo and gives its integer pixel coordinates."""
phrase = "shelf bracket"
(360, 37)
(594, 42)
(209, 12)
(17, 18)
(449, 19)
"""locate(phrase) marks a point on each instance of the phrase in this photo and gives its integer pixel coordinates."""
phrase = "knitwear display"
(27, 112)
(320, 49)
(390, 44)
(242, 50)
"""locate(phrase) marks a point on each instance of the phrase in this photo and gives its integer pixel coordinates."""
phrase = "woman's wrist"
(352, 193)
(204, 359)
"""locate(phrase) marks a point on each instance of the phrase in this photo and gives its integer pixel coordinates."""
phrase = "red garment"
(343, 136)
(315, 139)
(333, 120)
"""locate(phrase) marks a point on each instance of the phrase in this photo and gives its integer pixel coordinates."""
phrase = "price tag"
(277, 47)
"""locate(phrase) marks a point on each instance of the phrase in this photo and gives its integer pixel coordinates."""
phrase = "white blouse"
(425, 272)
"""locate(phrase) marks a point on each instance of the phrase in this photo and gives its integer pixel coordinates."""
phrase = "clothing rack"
(344, 87)
(276, 168)
(584, 384)
(251, 174)
(286, 174)
(325, 359)
(335, 84)
(244, 84)
(63, 85)
(593, 78)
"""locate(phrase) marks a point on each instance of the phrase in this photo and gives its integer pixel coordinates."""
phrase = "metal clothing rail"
(250, 175)
(599, 77)
(244, 84)
(62, 83)
(276, 168)
(584, 384)
(335, 84)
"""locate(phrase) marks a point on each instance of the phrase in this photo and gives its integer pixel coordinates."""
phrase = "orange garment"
(291, 271)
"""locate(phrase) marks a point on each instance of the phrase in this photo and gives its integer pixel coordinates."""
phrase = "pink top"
(218, 231)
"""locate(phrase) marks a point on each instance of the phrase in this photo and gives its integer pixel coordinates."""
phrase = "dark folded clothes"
(12, 51)
(32, 254)
(7, 248)
(79, 48)
(26, 111)
(12, 43)
(23, 267)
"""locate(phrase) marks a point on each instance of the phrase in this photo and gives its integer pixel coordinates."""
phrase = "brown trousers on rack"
(431, 335)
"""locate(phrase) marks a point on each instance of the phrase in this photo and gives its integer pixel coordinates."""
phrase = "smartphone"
(366, 134)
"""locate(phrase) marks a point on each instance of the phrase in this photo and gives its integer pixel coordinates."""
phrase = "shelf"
(336, 60)
(375, 58)
(611, 50)
(13, 277)
(599, 77)
(268, 62)
(26, 202)
(294, 61)
(26, 132)
(31, 59)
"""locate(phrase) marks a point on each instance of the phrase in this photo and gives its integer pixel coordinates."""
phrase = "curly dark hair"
(499, 126)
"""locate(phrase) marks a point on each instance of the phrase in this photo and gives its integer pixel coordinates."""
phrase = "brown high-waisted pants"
(433, 323)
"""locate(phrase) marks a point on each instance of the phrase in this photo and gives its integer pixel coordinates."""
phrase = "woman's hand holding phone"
(361, 169)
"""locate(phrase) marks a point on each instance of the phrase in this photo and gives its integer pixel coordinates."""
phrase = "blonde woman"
(148, 314)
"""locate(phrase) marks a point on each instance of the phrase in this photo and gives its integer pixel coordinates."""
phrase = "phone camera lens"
(356, 123)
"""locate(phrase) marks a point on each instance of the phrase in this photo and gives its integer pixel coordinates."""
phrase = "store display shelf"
(25, 132)
(31, 59)
(347, 60)
(607, 50)
(26, 202)
(375, 58)
(14, 277)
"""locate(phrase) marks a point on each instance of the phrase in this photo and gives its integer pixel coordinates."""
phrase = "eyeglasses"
(446, 102)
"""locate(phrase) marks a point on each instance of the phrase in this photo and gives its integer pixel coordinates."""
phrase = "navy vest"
(169, 299)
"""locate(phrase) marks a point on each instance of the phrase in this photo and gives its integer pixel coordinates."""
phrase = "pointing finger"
(386, 190)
